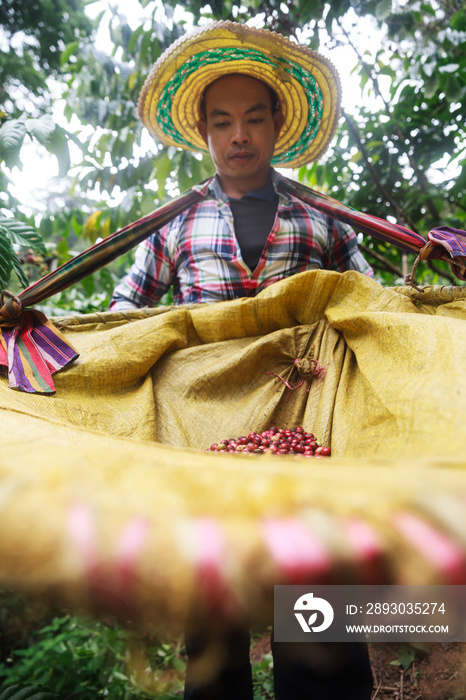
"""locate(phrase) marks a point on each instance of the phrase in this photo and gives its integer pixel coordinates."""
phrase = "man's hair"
(274, 101)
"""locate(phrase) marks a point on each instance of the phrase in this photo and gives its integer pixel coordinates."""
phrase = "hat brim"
(306, 83)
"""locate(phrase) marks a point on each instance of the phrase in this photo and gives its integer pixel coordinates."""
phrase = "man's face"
(240, 132)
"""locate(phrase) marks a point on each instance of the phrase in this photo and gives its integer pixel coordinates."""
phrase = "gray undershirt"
(254, 215)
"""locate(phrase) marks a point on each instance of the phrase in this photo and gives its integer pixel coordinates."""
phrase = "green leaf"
(63, 249)
(41, 129)
(383, 9)
(458, 21)
(23, 235)
(428, 9)
(88, 285)
(6, 258)
(70, 50)
(406, 655)
(145, 44)
(134, 38)
(453, 89)
(9, 692)
(18, 268)
(119, 676)
(58, 145)
(356, 158)
(163, 168)
(12, 134)
(26, 692)
(431, 86)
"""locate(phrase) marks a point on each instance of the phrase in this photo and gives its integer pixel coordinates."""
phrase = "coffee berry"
(279, 441)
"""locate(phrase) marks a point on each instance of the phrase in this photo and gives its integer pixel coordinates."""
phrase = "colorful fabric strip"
(368, 550)
(445, 243)
(297, 552)
(31, 348)
(33, 351)
(453, 239)
(442, 552)
(102, 253)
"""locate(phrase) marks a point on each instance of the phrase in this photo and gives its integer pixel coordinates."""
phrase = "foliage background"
(399, 152)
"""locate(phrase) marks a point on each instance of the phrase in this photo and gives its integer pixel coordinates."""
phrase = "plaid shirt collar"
(213, 187)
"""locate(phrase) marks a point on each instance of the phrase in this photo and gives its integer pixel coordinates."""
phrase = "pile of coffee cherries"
(278, 441)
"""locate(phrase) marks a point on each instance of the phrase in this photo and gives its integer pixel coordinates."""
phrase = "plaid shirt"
(199, 255)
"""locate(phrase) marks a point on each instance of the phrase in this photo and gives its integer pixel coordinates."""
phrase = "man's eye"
(256, 120)
(220, 125)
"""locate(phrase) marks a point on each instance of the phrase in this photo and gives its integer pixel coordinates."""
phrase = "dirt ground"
(439, 674)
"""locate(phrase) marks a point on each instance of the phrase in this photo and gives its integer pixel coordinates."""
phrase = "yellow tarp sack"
(108, 498)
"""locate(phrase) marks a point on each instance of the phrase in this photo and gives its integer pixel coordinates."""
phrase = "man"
(252, 98)
(248, 231)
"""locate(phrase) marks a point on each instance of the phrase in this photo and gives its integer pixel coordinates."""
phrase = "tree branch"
(385, 264)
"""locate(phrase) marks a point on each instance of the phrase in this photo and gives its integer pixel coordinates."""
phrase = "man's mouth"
(241, 156)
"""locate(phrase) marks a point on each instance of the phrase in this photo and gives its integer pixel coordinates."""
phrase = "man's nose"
(240, 134)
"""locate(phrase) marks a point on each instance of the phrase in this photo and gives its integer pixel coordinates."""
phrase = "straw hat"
(306, 83)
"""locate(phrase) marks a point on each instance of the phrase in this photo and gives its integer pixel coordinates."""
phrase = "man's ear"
(202, 129)
(278, 120)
